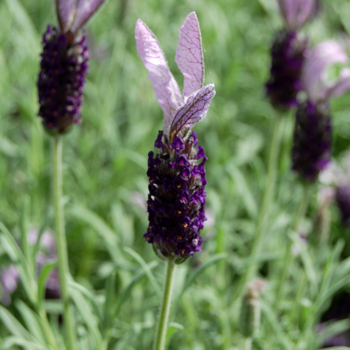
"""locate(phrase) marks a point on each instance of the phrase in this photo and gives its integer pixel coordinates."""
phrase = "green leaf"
(127, 291)
(17, 256)
(87, 294)
(13, 325)
(243, 190)
(44, 274)
(172, 329)
(102, 228)
(9, 342)
(333, 329)
(31, 320)
(146, 268)
(88, 317)
(215, 258)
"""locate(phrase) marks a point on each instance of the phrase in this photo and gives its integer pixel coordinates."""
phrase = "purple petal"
(194, 110)
(189, 55)
(340, 86)
(86, 10)
(66, 11)
(297, 12)
(164, 84)
(315, 67)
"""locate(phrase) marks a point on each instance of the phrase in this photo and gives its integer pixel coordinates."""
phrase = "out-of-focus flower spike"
(164, 84)
(297, 12)
(86, 9)
(189, 55)
(315, 67)
(66, 11)
(194, 110)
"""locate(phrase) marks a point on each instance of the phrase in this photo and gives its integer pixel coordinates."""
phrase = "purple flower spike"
(176, 180)
(287, 56)
(311, 151)
(64, 65)
(288, 52)
(313, 133)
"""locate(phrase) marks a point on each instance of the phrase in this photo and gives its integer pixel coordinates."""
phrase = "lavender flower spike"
(287, 53)
(176, 178)
(64, 65)
(312, 135)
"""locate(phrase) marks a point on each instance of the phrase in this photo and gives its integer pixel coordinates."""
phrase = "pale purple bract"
(194, 110)
(315, 67)
(189, 57)
(297, 12)
(73, 14)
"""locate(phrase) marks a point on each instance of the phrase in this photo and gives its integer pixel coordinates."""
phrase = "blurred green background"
(105, 159)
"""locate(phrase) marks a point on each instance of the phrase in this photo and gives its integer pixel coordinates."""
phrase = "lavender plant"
(288, 52)
(60, 88)
(312, 135)
(176, 177)
(64, 64)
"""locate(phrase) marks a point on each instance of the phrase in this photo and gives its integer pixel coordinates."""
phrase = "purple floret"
(287, 56)
(64, 65)
(176, 198)
(312, 141)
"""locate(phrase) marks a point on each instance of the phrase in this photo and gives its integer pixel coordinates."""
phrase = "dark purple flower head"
(176, 172)
(288, 52)
(64, 65)
(313, 132)
(287, 56)
(311, 151)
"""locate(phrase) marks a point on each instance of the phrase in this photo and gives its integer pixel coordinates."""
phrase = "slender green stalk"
(288, 256)
(47, 329)
(247, 344)
(268, 194)
(165, 308)
(62, 255)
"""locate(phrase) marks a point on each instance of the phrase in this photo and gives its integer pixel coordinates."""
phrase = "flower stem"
(165, 308)
(288, 256)
(247, 344)
(62, 255)
(264, 208)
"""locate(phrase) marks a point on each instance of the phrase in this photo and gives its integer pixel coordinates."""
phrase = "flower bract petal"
(164, 84)
(189, 55)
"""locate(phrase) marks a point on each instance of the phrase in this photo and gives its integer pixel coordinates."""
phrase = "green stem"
(47, 329)
(62, 255)
(260, 226)
(288, 256)
(165, 308)
(247, 344)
